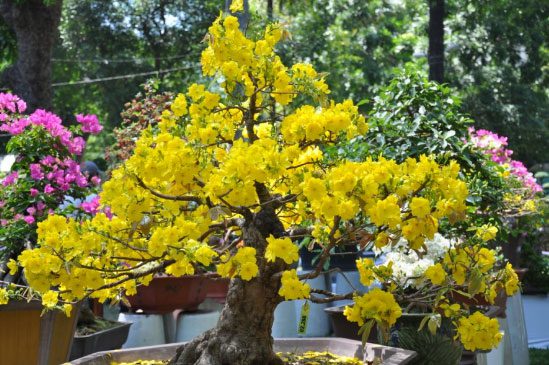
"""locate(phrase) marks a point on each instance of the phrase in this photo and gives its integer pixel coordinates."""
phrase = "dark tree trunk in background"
(436, 40)
(242, 16)
(270, 9)
(35, 25)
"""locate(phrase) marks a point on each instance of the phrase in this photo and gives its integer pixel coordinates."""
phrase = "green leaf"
(365, 331)
(475, 282)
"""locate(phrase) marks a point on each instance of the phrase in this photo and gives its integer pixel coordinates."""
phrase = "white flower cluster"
(408, 266)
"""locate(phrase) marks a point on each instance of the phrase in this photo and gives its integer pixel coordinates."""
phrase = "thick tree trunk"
(436, 40)
(243, 333)
(35, 25)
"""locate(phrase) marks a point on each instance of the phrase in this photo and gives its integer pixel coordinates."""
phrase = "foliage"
(240, 168)
(101, 39)
(357, 44)
(498, 60)
(432, 349)
(143, 111)
(538, 356)
(412, 116)
(44, 174)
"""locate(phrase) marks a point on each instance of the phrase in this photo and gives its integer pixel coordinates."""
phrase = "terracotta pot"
(218, 288)
(27, 337)
(165, 294)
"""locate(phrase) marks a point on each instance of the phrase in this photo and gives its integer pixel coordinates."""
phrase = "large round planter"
(109, 339)
(338, 346)
(165, 294)
(27, 337)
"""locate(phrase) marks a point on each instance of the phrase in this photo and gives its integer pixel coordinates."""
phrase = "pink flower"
(29, 219)
(96, 180)
(90, 123)
(10, 179)
(91, 207)
(3, 222)
(49, 189)
(12, 103)
(76, 146)
(33, 192)
(40, 206)
(31, 210)
(36, 171)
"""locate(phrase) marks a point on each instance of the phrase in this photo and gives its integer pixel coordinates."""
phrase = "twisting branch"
(184, 198)
(226, 224)
(329, 296)
(325, 251)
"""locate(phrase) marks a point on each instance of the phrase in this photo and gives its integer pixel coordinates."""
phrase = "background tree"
(34, 24)
(435, 54)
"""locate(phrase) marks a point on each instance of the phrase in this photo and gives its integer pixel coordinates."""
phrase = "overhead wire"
(118, 60)
(119, 77)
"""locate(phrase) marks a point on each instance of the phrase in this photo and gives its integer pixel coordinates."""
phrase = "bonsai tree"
(234, 174)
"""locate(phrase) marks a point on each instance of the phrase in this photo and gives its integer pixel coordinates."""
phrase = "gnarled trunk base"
(243, 333)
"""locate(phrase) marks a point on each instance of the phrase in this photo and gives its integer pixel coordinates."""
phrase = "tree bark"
(436, 40)
(270, 9)
(242, 16)
(243, 333)
(35, 25)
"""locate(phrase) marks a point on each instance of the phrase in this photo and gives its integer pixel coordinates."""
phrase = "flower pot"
(167, 293)
(27, 337)
(218, 288)
(109, 339)
(344, 259)
(345, 329)
(338, 346)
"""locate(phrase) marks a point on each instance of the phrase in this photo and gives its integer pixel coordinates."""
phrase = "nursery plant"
(46, 173)
(234, 175)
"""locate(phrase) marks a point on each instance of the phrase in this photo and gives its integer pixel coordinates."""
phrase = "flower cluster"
(495, 146)
(292, 288)
(478, 332)
(409, 265)
(243, 264)
(282, 248)
(377, 305)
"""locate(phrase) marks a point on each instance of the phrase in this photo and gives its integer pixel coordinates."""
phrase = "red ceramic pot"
(218, 288)
(165, 294)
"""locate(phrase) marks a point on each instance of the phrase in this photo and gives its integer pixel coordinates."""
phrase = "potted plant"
(44, 175)
(228, 178)
(168, 293)
(94, 334)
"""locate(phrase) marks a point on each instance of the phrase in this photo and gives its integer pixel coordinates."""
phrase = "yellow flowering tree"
(235, 173)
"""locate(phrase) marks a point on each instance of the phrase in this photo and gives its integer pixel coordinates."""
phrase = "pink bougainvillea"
(47, 172)
(495, 146)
